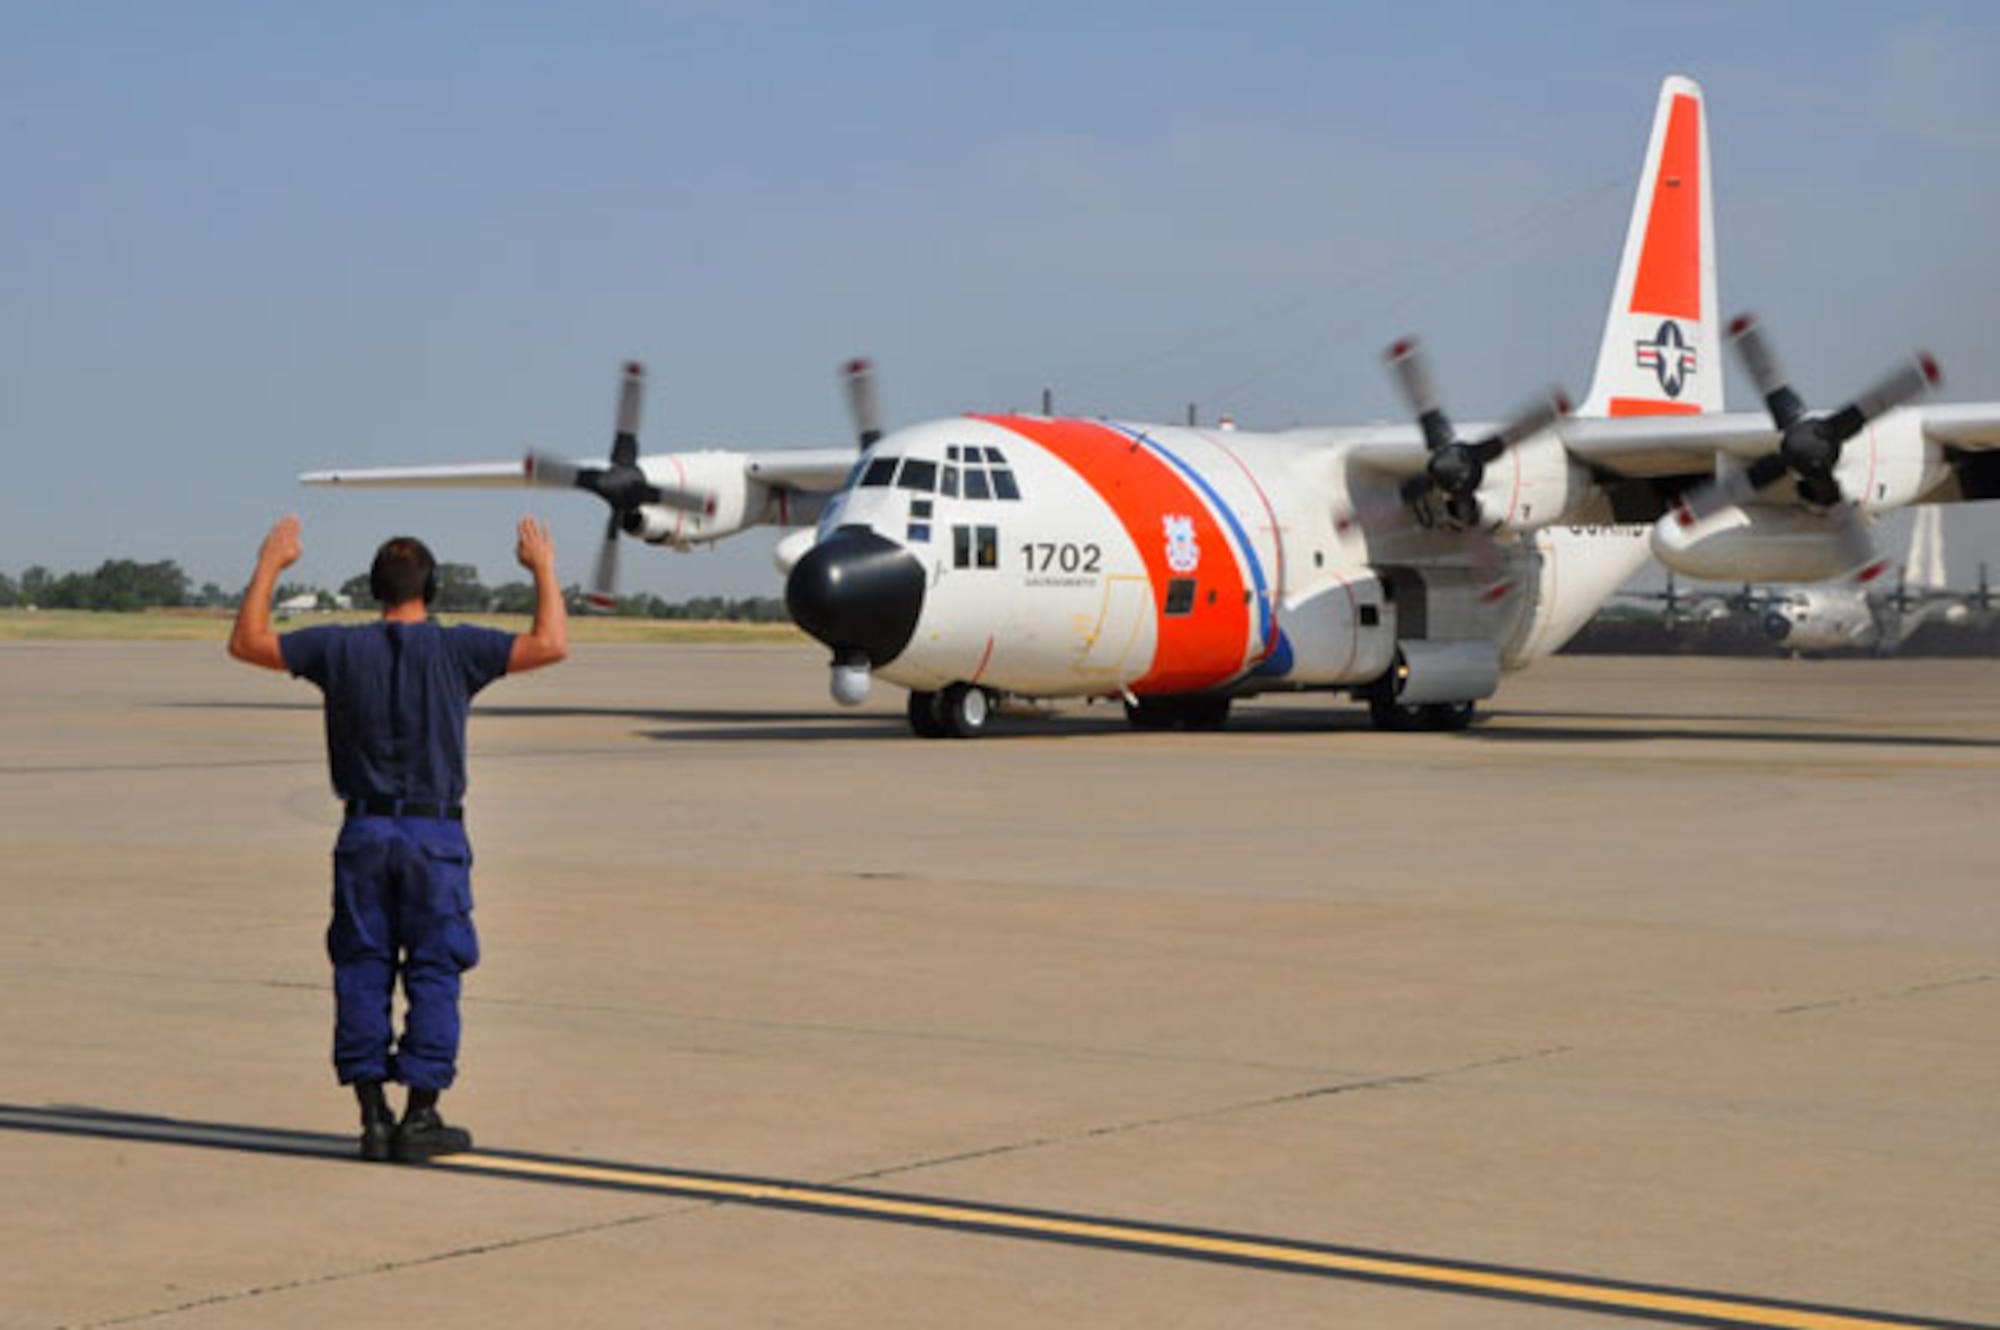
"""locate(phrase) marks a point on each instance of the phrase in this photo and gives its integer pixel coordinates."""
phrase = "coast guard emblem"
(1183, 554)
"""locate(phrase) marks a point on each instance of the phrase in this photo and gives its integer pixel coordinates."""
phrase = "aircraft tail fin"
(1662, 347)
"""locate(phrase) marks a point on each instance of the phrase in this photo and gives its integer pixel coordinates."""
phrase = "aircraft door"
(1111, 644)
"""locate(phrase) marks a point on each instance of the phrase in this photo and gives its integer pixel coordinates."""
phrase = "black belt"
(404, 808)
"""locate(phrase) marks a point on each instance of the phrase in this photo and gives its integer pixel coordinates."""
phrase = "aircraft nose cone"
(857, 591)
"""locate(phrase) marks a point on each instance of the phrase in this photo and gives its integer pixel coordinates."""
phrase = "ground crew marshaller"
(397, 692)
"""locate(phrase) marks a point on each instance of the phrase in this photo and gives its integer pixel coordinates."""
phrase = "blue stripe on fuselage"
(1267, 616)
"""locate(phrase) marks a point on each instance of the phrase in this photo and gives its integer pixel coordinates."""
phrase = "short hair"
(404, 570)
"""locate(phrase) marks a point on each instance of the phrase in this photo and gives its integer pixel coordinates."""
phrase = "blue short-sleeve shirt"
(397, 696)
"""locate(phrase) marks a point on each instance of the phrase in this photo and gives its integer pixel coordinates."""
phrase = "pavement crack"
(384, 1268)
(1884, 995)
(1109, 1129)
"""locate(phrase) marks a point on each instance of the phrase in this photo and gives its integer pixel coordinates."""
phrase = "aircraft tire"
(925, 722)
(1147, 714)
(1449, 716)
(963, 710)
(1204, 713)
(1390, 715)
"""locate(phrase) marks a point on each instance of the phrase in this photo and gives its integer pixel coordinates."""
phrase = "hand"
(281, 547)
(534, 548)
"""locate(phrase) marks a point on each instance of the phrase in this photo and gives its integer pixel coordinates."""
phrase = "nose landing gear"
(957, 712)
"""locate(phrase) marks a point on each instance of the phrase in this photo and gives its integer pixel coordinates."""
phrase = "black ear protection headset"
(410, 548)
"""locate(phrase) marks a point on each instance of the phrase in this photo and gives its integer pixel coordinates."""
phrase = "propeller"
(621, 483)
(865, 406)
(1456, 468)
(1808, 445)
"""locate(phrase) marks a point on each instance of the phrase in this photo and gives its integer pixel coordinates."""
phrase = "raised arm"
(548, 640)
(252, 640)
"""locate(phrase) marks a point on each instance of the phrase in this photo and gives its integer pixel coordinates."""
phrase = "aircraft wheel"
(924, 720)
(963, 710)
(1148, 714)
(1449, 716)
(1389, 714)
(1204, 713)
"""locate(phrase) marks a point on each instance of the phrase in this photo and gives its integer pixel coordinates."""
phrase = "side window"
(1180, 596)
(879, 472)
(974, 546)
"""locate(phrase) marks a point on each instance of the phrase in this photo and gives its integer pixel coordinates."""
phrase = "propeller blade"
(681, 500)
(1900, 385)
(631, 394)
(603, 593)
(552, 472)
(1411, 369)
(1857, 544)
(1534, 417)
(1726, 491)
(1746, 334)
(862, 401)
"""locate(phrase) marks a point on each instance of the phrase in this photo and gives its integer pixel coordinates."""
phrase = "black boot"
(424, 1135)
(378, 1121)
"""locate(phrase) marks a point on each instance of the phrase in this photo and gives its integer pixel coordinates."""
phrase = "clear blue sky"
(244, 240)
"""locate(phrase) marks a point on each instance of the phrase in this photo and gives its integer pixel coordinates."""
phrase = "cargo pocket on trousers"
(448, 898)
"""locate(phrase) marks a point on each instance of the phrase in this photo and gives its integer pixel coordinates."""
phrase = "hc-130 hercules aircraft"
(1178, 568)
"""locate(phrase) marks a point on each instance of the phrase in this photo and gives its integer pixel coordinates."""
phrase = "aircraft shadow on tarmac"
(745, 725)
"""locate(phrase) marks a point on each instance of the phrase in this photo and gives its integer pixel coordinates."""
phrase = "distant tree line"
(118, 584)
(126, 585)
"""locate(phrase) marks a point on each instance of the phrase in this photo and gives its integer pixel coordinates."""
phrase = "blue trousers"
(402, 905)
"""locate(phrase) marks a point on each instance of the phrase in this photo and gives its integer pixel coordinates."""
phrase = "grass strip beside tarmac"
(18, 625)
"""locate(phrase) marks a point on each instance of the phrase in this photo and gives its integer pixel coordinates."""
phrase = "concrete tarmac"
(1677, 977)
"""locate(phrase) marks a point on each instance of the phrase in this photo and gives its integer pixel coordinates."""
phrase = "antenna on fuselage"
(1048, 401)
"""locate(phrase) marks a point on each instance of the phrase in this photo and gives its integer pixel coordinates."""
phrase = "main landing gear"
(1389, 714)
(957, 712)
(1177, 713)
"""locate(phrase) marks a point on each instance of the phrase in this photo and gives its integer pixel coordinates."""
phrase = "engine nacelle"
(738, 500)
(1532, 485)
(1754, 543)
(1427, 672)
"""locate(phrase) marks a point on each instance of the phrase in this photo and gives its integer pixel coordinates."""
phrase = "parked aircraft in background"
(1179, 568)
(1837, 616)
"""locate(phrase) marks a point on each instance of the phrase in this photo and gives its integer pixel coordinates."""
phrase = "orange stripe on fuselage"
(1646, 406)
(1669, 279)
(1209, 645)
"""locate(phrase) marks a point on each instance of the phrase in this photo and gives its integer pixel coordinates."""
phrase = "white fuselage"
(1090, 558)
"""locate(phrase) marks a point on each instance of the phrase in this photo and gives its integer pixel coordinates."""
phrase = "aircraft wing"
(1632, 446)
(1645, 447)
(458, 475)
(812, 470)
(816, 470)
(1973, 426)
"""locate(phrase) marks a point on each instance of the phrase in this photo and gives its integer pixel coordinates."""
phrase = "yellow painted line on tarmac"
(1583, 1293)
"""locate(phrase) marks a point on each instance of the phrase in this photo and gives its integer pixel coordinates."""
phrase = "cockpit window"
(917, 474)
(879, 472)
(983, 474)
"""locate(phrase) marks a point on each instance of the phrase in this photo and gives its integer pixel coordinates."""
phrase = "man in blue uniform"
(397, 692)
